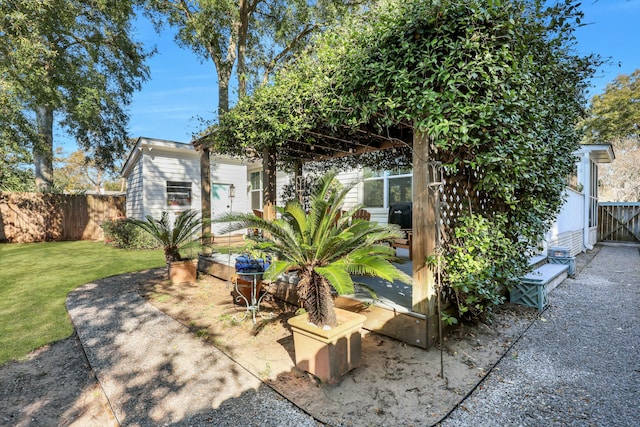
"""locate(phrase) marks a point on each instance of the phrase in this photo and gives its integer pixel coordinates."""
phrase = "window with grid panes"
(384, 188)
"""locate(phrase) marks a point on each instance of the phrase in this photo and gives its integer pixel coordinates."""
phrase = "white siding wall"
(571, 240)
(355, 196)
(160, 167)
(568, 228)
(135, 195)
(571, 217)
(282, 179)
(349, 177)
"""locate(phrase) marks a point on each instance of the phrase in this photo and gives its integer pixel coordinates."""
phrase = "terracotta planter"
(183, 272)
(328, 354)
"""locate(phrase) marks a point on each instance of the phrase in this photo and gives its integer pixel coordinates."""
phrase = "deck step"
(537, 260)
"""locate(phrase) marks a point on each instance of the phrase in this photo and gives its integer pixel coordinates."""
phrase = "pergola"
(322, 145)
(489, 91)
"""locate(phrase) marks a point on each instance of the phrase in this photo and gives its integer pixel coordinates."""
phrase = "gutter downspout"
(586, 174)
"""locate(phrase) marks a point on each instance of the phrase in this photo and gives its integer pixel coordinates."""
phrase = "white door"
(220, 203)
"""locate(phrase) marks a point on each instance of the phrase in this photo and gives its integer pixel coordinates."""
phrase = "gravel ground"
(154, 371)
(578, 364)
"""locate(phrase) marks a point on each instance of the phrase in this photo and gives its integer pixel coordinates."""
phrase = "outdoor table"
(253, 303)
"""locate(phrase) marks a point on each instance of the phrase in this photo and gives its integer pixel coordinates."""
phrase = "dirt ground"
(397, 384)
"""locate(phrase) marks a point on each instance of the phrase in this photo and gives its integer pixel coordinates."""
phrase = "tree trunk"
(269, 185)
(205, 199)
(243, 27)
(43, 149)
(314, 292)
(224, 76)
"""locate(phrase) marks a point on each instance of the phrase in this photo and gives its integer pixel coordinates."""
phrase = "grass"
(36, 278)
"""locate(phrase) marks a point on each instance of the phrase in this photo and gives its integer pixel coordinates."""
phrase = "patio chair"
(255, 231)
(362, 214)
(405, 243)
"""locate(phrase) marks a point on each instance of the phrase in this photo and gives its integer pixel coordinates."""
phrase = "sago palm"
(173, 237)
(325, 246)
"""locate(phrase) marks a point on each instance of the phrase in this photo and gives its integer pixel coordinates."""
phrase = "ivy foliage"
(477, 265)
(496, 86)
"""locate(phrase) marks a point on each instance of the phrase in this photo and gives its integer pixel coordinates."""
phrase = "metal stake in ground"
(436, 183)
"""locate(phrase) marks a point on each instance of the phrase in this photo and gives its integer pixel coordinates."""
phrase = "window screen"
(178, 193)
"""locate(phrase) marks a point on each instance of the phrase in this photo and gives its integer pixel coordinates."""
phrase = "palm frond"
(183, 234)
(338, 277)
(277, 268)
(374, 266)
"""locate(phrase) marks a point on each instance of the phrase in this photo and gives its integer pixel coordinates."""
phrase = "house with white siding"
(576, 226)
(165, 176)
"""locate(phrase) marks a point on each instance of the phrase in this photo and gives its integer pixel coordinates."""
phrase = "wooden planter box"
(244, 285)
(328, 354)
(183, 272)
(570, 261)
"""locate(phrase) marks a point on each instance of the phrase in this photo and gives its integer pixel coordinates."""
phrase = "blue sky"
(181, 88)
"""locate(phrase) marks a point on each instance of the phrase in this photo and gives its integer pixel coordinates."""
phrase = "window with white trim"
(255, 179)
(384, 188)
(178, 193)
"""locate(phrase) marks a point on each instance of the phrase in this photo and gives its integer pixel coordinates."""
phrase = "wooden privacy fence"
(619, 221)
(35, 217)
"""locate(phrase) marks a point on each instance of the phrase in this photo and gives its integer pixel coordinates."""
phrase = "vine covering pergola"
(490, 90)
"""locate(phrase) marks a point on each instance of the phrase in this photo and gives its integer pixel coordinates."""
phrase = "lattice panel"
(457, 197)
(530, 294)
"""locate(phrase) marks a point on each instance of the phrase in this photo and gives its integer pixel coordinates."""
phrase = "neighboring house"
(165, 176)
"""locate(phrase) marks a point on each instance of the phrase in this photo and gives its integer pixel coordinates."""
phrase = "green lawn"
(36, 278)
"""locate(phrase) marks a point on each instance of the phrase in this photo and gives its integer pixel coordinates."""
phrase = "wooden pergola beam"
(424, 229)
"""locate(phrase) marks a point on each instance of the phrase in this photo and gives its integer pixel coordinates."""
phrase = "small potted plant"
(325, 246)
(176, 239)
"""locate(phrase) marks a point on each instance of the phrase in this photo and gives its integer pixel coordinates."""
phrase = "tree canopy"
(614, 115)
(255, 36)
(78, 173)
(72, 58)
(496, 86)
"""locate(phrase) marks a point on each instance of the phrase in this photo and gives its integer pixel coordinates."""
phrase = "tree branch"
(296, 40)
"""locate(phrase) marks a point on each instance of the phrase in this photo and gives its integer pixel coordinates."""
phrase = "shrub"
(122, 233)
(478, 265)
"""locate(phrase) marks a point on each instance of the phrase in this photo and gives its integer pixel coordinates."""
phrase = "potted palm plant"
(176, 239)
(325, 246)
